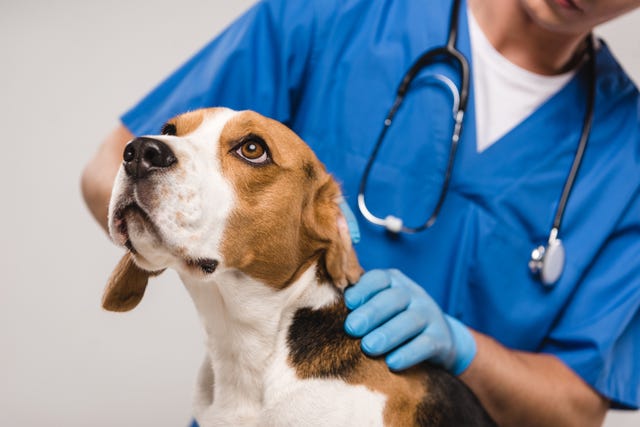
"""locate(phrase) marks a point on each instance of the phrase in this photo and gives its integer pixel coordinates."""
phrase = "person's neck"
(518, 38)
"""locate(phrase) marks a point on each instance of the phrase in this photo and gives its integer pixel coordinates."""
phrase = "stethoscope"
(547, 261)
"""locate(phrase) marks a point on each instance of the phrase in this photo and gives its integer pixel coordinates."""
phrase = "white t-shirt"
(505, 94)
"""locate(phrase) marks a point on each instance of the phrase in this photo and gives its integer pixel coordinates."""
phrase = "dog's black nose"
(144, 155)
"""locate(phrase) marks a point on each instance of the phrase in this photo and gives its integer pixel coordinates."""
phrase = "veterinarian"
(503, 242)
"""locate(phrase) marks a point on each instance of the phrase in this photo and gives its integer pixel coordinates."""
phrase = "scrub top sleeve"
(598, 335)
(257, 63)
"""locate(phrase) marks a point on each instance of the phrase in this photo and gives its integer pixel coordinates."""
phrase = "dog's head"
(220, 190)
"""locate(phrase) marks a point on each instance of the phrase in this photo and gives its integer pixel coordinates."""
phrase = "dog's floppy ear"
(341, 259)
(126, 285)
(330, 227)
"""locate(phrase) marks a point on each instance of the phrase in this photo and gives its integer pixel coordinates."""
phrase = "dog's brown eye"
(253, 150)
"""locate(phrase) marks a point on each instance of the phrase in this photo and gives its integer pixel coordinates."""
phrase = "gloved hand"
(395, 315)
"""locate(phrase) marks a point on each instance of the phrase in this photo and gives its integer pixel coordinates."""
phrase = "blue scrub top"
(329, 70)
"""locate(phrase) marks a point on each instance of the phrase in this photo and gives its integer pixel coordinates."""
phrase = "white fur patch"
(247, 326)
(187, 205)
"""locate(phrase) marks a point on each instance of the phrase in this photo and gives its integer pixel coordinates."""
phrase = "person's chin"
(558, 16)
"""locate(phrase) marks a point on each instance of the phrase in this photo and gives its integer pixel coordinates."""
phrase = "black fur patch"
(449, 402)
(319, 346)
(169, 129)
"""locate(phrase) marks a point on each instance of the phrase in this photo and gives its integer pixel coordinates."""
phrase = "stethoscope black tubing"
(449, 51)
(584, 135)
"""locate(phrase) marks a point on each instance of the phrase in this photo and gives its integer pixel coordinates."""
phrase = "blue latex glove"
(395, 316)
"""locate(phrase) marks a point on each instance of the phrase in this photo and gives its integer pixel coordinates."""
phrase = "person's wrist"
(464, 345)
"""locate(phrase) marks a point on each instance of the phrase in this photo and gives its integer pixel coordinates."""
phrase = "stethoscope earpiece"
(547, 262)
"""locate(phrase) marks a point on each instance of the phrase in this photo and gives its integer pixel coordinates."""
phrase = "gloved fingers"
(398, 278)
(421, 348)
(369, 284)
(380, 308)
(390, 335)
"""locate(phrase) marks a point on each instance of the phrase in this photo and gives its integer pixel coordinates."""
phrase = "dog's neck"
(243, 319)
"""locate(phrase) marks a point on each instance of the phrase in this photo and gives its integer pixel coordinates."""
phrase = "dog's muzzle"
(144, 155)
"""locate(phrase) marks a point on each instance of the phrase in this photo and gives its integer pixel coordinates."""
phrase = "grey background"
(68, 68)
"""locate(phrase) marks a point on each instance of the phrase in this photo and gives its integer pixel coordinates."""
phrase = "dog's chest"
(281, 358)
(281, 398)
(293, 401)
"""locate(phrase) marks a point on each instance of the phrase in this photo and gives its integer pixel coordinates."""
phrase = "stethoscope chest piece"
(547, 262)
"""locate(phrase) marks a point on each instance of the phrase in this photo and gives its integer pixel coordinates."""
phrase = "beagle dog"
(243, 210)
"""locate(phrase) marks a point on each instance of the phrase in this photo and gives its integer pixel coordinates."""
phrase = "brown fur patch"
(404, 392)
(284, 219)
(320, 348)
(126, 286)
(420, 396)
(186, 123)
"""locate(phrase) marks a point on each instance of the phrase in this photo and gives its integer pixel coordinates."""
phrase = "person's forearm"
(100, 172)
(527, 389)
